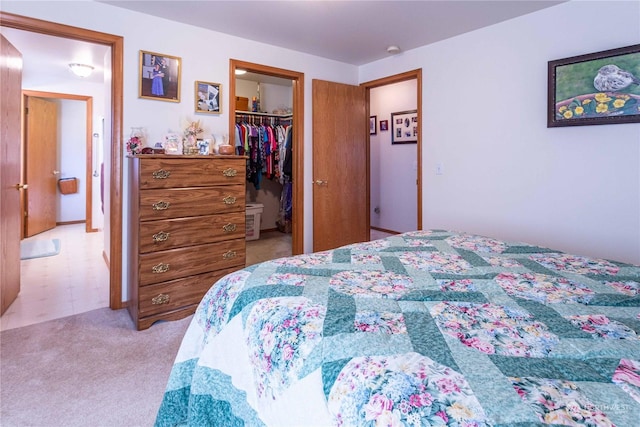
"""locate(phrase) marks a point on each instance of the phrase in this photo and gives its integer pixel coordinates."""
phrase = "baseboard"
(384, 230)
(80, 221)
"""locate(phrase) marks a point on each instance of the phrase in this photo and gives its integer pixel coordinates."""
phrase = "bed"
(425, 328)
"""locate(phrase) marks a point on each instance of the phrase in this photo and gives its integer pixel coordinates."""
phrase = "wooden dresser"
(186, 230)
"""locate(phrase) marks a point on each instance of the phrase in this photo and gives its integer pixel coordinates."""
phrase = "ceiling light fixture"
(393, 49)
(240, 72)
(81, 70)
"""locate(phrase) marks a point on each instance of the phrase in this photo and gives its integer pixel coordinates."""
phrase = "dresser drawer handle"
(160, 206)
(229, 255)
(161, 174)
(229, 200)
(160, 268)
(230, 173)
(160, 299)
(229, 228)
(161, 236)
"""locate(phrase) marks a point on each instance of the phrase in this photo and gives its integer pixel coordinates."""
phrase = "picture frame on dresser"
(208, 97)
(595, 89)
(159, 76)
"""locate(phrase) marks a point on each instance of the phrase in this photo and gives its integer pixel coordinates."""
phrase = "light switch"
(439, 169)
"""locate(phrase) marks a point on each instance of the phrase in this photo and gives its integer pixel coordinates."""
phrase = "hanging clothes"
(267, 144)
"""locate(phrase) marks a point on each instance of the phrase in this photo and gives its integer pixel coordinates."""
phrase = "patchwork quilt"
(427, 328)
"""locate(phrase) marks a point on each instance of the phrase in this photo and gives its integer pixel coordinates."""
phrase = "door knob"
(56, 172)
(21, 186)
(320, 182)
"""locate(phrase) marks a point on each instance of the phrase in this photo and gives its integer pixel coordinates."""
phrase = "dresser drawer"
(193, 201)
(174, 233)
(185, 172)
(171, 264)
(172, 295)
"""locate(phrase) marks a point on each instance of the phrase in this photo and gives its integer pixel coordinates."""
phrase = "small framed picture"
(173, 144)
(404, 127)
(207, 97)
(203, 147)
(384, 125)
(373, 125)
(159, 76)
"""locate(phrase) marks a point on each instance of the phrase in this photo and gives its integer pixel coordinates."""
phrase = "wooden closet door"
(340, 165)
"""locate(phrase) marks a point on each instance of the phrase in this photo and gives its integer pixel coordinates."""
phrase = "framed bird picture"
(595, 89)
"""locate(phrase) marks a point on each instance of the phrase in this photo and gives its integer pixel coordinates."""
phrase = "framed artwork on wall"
(595, 89)
(404, 127)
(208, 97)
(373, 125)
(159, 76)
(384, 125)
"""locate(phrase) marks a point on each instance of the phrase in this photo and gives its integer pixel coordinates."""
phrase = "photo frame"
(595, 89)
(373, 125)
(384, 125)
(404, 127)
(159, 76)
(208, 97)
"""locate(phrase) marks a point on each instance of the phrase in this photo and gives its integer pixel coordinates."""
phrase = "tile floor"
(74, 281)
(77, 279)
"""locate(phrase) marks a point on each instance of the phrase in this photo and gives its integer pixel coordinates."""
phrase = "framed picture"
(404, 127)
(384, 125)
(373, 125)
(173, 144)
(207, 97)
(595, 89)
(159, 76)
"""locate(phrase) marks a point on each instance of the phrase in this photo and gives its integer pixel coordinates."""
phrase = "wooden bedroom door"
(340, 165)
(11, 185)
(41, 135)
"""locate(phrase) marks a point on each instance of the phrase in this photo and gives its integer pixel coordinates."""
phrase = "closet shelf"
(251, 113)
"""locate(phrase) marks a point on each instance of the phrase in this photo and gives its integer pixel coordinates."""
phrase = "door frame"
(398, 78)
(88, 179)
(297, 176)
(116, 43)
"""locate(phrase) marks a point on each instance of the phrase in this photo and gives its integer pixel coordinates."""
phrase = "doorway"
(113, 164)
(391, 80)
(297, 121)
(89, 154)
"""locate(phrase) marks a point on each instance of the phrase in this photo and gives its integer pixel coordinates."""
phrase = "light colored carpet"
(39, 248)
(90, 369)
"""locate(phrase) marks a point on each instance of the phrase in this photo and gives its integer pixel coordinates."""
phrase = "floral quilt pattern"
(494, 329)
(280, 333)
(402, 390)
(543, 288)
(426, 328)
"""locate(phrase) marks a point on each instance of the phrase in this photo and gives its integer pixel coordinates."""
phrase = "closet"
(263, 132)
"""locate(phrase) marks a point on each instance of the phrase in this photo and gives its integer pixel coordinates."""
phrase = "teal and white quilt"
(427, 328)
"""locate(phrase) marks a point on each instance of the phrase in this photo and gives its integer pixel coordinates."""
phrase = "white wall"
(144, 32)
(505, 173)
(72, 148)
(393, 167)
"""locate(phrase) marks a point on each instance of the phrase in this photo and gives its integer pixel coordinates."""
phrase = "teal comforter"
(428, 328)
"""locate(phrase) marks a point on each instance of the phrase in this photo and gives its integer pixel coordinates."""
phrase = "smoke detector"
(393, 49)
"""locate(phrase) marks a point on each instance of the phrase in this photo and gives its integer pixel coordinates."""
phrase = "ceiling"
(355, 32)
